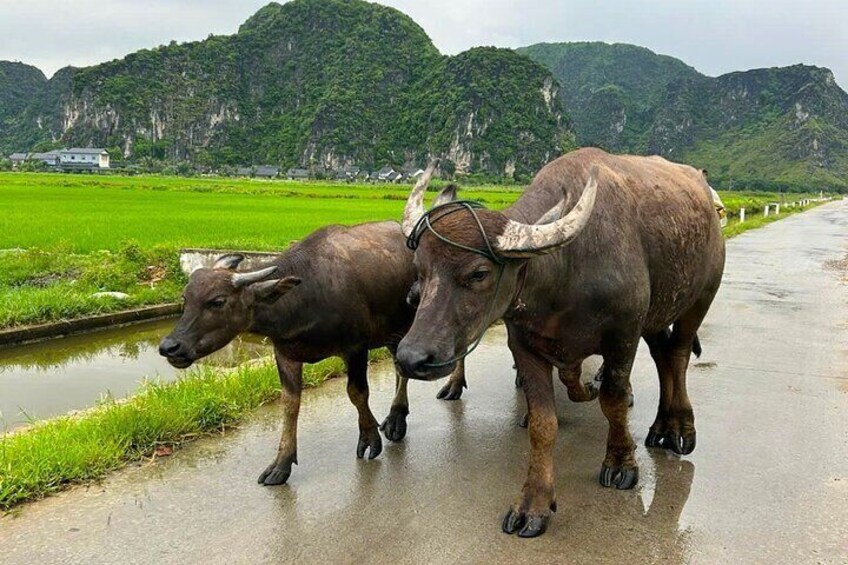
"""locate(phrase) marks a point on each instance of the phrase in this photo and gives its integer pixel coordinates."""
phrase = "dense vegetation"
(778, 129)
(311, 82)
(18, 84)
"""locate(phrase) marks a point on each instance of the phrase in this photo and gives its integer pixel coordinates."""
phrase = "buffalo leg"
(530, 514)
(291, 373)
(619, 468)
(674, 426)
(453, 389)
(357, 391)
(394, 426)
(660, 346)
(578, 391)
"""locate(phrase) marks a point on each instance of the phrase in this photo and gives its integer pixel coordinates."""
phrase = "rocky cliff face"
(311, 82)
(765, 128)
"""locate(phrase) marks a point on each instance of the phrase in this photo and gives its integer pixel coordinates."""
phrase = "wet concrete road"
(768, 482)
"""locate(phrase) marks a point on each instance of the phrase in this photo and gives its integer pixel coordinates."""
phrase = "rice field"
(83, 214)
(65, 237)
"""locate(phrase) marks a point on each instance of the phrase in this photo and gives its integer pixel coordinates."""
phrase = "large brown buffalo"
(638, 248)
(339, 292)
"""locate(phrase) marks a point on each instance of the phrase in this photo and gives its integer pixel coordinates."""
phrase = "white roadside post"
(741, 215)
(777, 209)
(766, 211)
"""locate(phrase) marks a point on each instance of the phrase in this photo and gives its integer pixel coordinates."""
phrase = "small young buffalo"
(339, 292)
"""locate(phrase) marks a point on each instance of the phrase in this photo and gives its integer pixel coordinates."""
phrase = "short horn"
(415, 203)
(229, 261)
(244, 279)
(524, 240)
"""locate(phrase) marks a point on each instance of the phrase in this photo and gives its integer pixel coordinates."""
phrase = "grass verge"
(734, 227)
(38, 286)
(84, 447)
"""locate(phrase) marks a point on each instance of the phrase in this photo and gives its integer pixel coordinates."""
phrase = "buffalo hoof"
(654, 439)
(277, 473)
(622, 478)
(681, 445)
(525, 421)
(369, 440)
(394, 426)
(452, 390)
(526, 525)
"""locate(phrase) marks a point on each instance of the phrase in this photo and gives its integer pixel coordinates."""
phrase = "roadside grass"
(53, 454)
(734, 227)
(39, 286)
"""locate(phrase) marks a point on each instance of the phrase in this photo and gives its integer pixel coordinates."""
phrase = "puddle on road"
(50, 378)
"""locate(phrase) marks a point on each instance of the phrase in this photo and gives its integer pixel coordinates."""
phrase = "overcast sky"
(714, 36)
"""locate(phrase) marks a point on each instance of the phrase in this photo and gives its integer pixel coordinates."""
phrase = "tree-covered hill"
(310, 82)
(19, 83)
(780, 128)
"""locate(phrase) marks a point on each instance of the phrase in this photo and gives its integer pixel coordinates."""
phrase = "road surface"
(768, 482)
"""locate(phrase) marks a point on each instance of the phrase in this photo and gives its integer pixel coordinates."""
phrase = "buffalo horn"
(524, 240)
(244, 279)
(229, 261)
(415, 203)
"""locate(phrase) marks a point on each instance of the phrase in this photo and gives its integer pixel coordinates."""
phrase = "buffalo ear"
(271, 291)
(447, 194)
(230, 261)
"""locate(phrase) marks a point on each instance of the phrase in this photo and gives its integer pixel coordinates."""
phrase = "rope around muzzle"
(424, 224)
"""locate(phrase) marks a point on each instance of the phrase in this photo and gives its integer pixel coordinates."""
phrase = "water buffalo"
(339, 292)
(638, 248)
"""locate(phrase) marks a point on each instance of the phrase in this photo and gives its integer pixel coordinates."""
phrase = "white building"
(93, 157)
(76, 158)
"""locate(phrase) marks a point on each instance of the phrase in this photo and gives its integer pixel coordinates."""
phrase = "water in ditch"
(54, 377)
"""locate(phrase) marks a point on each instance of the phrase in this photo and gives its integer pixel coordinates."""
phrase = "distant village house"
(76, 158)
(297, 174)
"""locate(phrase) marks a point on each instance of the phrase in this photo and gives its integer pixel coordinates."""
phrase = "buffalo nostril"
(414, 361)
(168, 347)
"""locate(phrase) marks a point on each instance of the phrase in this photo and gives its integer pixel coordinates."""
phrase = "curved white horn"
(553, 214)
(244, 279)
(415, 203)
(520, 239)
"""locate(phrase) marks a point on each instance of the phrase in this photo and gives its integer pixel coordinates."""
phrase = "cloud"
(714, 36)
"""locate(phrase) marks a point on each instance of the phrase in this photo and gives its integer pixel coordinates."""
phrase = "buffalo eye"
(478, 275)
(217, 302)
(414, 296)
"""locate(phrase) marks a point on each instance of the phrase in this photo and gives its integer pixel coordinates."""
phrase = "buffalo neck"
(275, 319)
